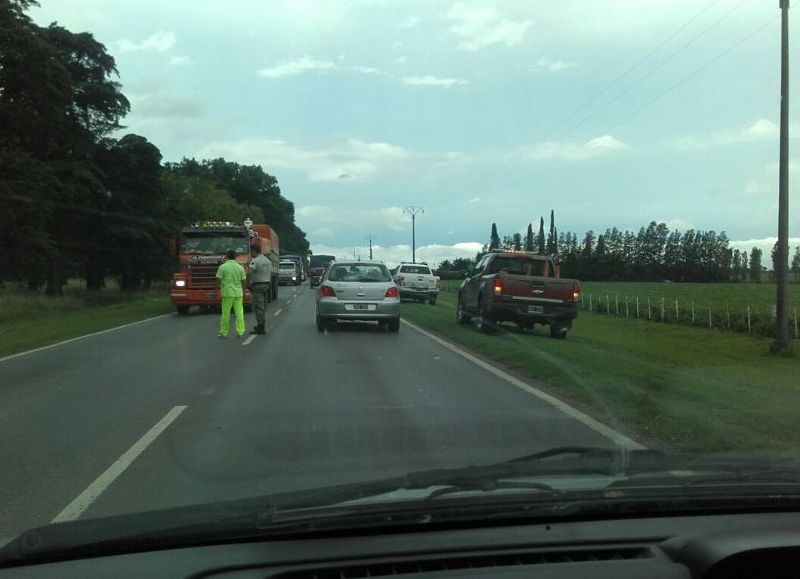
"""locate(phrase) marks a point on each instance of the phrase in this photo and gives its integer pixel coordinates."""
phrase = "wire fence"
(753, 319)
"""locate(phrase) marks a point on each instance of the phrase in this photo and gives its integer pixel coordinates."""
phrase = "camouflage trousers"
(260, 294)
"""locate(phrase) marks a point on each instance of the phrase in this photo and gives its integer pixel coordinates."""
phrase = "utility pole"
(413, 210)
(782, 254)
(370, 238)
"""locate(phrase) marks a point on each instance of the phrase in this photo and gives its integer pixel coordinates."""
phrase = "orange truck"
(201, 249)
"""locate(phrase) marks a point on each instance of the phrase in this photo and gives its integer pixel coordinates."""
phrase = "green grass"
(689, 388)
(33, 320)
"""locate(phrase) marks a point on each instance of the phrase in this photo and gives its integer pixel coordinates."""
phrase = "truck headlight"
(294, 278)
(180, 283)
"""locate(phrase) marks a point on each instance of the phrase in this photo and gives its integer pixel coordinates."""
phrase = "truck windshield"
(416, 269)
(518, 266)
(210, 242)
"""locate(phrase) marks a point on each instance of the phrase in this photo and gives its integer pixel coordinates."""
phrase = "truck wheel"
(182, 310)
(558, 332)
(432, 301)
(462, 317)
(483, 322)
(394, 325)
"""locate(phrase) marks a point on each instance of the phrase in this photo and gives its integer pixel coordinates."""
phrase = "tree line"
(77, 201)
(653, 253)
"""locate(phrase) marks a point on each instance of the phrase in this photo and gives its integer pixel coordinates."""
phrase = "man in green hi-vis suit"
(230, 281)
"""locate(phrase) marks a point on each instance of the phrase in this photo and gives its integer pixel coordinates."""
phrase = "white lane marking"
(114, 329)
(248, 340)
(277, 312)
(613, 435)
(289, 301)
(82, 502)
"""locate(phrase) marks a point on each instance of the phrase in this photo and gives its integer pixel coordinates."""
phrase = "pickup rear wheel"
(484, 322)
(558, 332)
(432, 301)
(462, 317)
(182, 310)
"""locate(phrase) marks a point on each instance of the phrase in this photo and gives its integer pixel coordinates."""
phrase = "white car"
(417, 282)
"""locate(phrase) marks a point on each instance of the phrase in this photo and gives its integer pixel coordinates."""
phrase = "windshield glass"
(415, 269)
(363, 273)
(594, 236)
(213, 243)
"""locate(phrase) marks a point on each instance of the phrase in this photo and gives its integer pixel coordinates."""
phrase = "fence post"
(677, 315)
(626, 306)
(649, 311)
(662, 308)
(692, 312)
(728, 315)
(709, 317)
(637, 306)
(608, 305)
(616, 304)
(795, 323)
(590, 303)
(748, 318)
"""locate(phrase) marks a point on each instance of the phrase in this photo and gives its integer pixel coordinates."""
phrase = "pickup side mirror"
(467, 274)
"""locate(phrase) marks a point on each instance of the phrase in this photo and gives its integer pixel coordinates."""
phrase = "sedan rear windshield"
(518, 266)
(358, 272)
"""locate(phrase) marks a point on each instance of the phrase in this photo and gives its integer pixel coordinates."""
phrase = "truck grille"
(203, 276)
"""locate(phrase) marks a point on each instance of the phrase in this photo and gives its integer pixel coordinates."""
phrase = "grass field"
(717, 305)
(720, 393)
(31, 321)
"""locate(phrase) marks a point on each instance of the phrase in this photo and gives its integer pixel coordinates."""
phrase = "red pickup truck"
(520, 287)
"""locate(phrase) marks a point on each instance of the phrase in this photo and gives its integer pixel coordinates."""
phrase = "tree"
(517, 241)
(755, 264)
(540, 239)
(796, 264)
(552, 239)
(494, 240)
(529, 238)
(736, 269)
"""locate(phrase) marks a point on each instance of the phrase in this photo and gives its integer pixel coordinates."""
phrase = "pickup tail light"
(498, 286)
(392, 293)
(576, 292)
(327, 291)
(437, 282)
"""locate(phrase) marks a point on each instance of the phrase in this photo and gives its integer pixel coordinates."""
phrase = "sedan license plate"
(360, 307)
(535, 309)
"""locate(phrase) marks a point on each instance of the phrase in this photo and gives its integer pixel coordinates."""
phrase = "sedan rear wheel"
(321, 323)
(394, 325)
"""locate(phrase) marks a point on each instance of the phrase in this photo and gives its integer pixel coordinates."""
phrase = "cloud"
(760, 130)
(180, 60)
(429, 80)
(677, 223)
(400, 60)
(162, 106)
(349, 159)
(323, 232)
(297, 66)
(160, 41)
(765, 244)
(478, 28)
(563, 151)
(547, 65)
(409, 22)
(766, 181)
(322, 213)
(474, 200)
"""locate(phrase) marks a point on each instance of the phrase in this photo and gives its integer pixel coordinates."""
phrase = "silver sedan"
(358, 290)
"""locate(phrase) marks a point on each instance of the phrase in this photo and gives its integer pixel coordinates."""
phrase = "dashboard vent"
(455, 563)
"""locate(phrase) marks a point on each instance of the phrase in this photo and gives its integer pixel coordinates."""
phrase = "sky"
(610, 113)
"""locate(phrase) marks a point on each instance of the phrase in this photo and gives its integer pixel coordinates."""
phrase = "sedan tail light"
(392, 293)
(327, 291)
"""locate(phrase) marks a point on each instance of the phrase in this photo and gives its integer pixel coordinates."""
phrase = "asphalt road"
(164, 413)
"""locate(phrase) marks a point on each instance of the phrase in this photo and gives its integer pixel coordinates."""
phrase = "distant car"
(416, 281)
(358, 290)
(288, 274)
